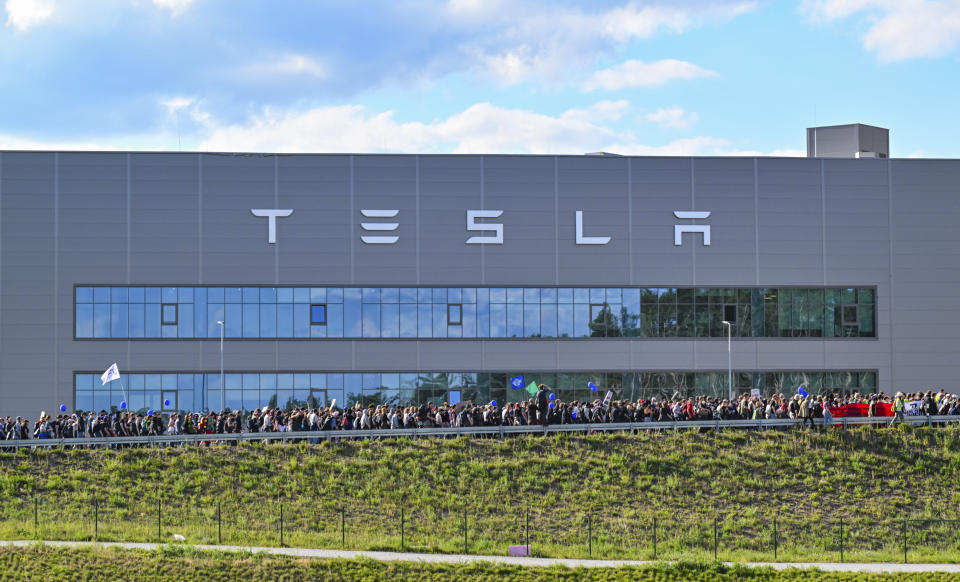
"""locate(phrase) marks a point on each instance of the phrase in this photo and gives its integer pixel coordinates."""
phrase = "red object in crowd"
(861, 409)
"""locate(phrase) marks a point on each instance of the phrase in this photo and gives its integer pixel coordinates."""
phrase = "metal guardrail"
(497, 431)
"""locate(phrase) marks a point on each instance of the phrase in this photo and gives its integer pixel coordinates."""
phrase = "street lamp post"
(220, 323)
(729, 361)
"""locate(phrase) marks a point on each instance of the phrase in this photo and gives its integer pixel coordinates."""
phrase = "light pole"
(729, 361)
(220, 323)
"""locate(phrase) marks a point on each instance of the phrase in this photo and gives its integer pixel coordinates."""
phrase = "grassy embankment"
(184, 562)
(603, 495)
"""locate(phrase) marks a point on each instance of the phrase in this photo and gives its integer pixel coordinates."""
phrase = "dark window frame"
(459, 319)
(312, 320)
(843, 315)
(736, 312)
(163, 313)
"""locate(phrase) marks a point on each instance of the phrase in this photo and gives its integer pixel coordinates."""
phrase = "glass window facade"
(472, 312)
(318, 314)
(249, 390)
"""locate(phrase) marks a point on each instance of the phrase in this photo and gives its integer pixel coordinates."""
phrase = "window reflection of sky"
(498, 312)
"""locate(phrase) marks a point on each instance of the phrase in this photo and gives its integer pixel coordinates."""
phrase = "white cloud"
(635, 21)
(12, 142)
(473, 8)
(175, 104)
(635, 73)
(176, 7)
(599, 111)
(829, 10)
(898, 29)
(294, 65)
(556, 42)
(287, 65)
(692, 146)
(673, 117)
(481, 128)
(23, 14)
(510, 67)
(194, 112)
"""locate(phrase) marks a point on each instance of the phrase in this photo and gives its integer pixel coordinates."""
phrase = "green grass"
(183, 562)
(593, 496)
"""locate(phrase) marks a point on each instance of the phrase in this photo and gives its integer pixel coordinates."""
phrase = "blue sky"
(693, 77)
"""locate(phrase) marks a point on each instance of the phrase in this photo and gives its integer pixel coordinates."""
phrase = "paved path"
(466, 558)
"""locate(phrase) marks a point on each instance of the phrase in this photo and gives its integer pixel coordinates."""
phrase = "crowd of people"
(542, 409)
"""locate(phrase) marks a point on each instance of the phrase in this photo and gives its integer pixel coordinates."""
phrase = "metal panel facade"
(185, 219)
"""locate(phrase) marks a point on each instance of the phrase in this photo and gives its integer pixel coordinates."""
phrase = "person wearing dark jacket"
(542, 404)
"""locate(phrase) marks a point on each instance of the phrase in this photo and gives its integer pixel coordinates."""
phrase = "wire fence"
(489, 431)
(545, 531)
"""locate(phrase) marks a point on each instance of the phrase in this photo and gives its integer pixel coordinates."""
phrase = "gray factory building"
(412, 278)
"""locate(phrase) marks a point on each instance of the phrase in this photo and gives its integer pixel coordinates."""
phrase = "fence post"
(401, 527)
(526, 529)
(159, 532)
(464, 529)
(343, 527)
(219, 530)
(904, 540)
(281, 524)
(841, 540)
(590, 535)
(715, 539)
(36, 517)
(96, 519)
(654, 538)
(775, 540)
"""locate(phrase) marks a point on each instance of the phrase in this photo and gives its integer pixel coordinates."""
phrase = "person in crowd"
(806, 411)
(825, 404)
(898, 408)
(42, 429)
(542, 404)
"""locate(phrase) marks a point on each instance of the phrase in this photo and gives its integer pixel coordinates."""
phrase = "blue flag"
(801, 391)
(592, 386)
(517, 382)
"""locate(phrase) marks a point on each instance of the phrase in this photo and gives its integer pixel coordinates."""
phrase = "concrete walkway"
(466, 558)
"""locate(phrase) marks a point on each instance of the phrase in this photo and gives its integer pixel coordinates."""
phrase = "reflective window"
(203, 391)
(318, 314)
(454, 314)
(473, 312)
(169, 311)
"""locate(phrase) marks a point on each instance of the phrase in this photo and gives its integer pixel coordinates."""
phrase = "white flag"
(608, 398)
(111, 374)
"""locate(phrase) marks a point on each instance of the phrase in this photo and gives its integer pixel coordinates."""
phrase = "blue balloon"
(552, 405)
(553, 397)
(63, 408)
(493, 403)
(592, 386)
(123, 405)
(150, 412)
(166, 403)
